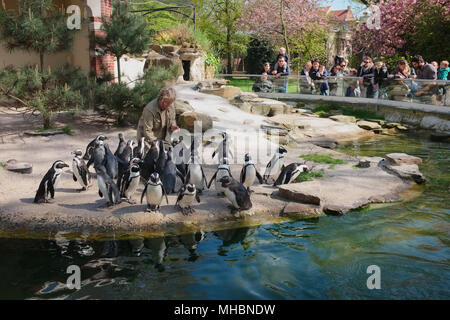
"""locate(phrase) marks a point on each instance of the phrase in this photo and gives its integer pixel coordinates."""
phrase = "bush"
(258, 53)
(183, 33)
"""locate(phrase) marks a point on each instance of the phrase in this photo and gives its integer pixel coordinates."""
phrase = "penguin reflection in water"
(154, 192)
(237, 194)
(186, 197)
(49, 182)
(80, 171)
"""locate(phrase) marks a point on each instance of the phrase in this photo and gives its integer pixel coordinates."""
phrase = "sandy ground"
(71, 210)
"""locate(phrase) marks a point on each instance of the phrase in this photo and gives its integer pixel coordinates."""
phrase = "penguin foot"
(81, 190)
(191, 210)
(185, 211)
(249, 190)
(131, 201)
(220, 194)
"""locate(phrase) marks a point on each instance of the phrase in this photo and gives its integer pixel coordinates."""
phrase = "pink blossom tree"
(400, 22)
(279, 20)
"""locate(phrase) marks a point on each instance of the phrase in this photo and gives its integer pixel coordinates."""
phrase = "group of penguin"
(119, 174)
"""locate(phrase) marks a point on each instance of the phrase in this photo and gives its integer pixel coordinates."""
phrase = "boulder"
(224, 91)
(155, 59)
(324, 143)
(187, 119)
(404, 171)
(211, 84)
(344, 119)
(169, 48)
(402, 158)
(295, 209)
(19, 167)
(182, 106)
(294, 192)
(367, 125)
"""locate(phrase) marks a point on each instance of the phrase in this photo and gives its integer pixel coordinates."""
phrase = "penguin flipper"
(164, 193)
(204, 176)
(242, 174)
(74, 178)
(180, 195)
(258, 175)
(100, 194)
(51, 188)
(180, 175)
(280, 177)
(212, 179)
(143, 192)
(288, 177)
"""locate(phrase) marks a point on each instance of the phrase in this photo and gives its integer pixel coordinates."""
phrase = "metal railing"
(432, 92)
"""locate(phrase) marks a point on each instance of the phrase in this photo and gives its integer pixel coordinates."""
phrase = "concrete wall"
(78, 55)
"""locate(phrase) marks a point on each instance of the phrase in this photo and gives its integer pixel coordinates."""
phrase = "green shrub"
(322, 158)
(308, 176)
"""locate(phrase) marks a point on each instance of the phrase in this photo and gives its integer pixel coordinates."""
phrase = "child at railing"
(353, 90)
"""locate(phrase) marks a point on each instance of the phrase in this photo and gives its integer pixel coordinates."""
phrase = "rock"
(324, 143)
(299, 210)
(19, 167)
(402, 158)
(182, 107)
(367, 125)
(169, 48)
(211, 84)
(248, 121)
(404, 171)
(393, 124)
(435, 123)
(363, 164)
(401, 128)
(344, 119)
(276, 109)
(294, 192)
(187, 119)
(45, 133)
(224, 92)
(155, 59)
(244, 106)
(440, 136)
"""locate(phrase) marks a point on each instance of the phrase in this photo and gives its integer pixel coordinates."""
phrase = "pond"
(320, 258)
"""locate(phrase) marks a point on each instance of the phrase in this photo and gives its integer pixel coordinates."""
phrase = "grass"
(361, 114)
(246, 84)
(3, 165)
(308, 176)
(322, 158)
(68, 130)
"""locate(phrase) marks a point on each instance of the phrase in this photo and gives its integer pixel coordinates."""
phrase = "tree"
(307, 46)
(36, 26)
(278, 19)
(407, 27)
(219, 19)
(259, 52)
(125, 33)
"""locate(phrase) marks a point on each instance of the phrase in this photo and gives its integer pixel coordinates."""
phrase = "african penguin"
(106, 187)
(111, 163)
(249, 173)
(139, 150)
(98, 155)
(223, 149)
(162, 158)
(290, 173)
(195, 174)
(154, 192)
(80, 171)
(130, 181)
(180, 155)
(149, 164)
(123, 160)
(275, 164)
(121, 146)
(223, 170)
(90, 148)
(237, 194)
(49, 182)
(186, 197)
(170, 173)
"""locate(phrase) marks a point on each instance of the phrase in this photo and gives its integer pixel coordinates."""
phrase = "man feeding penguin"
(161, 166)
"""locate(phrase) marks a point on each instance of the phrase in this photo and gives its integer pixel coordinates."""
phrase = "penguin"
(162, 158)
(223, 170)
(186, 196)
(49, 182)
(154, 192)
(111, 164)
(90, 148)
(249, 173)
(237, 194)
(149, 163)
(223, 149)
(290, 173)
(121, 146)
(123, 160)
(139, 150)
(275, 164)
(170, 173)
(106, 187)
(130, 181)
(98, 155)
(195, 174)
(179, 155)
(80, 171)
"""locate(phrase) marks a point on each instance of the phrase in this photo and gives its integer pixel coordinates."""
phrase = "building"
(342, 24)
(84, 53)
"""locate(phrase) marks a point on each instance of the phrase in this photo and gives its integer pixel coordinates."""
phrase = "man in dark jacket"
(379, 76)
(366, 77)
(424, 71)
(281, 69)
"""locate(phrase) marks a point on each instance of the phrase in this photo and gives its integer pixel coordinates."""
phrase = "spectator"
(403, 71)
(263, 84)
(306, 69)
(306, 85)
(336, 71)
(281, 69)
(424, 71)
(366, 77)
(435, 64)
(266, 69)
(282, 53)
(339, 58)
(443, 71)
(344, 68)
(353, 89)
(380, 75)
(319, 74)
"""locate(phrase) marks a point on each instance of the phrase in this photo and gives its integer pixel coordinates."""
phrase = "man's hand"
(175, 128)
(277, 75)
(418, 93)
(274, 72)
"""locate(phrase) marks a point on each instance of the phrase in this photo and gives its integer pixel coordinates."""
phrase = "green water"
(323, 258)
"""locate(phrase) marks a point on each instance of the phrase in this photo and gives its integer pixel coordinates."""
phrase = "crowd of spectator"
(370, 79)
